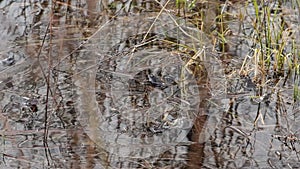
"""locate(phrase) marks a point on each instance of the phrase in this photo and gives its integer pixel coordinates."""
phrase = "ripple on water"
(140, 114)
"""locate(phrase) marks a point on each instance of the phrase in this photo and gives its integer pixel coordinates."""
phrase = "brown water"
(134, 84)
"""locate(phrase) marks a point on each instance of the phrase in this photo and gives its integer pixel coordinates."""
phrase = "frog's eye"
(152, 78)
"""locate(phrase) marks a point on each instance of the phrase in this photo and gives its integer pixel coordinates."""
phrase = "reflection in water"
(23, 87)
(141, 116)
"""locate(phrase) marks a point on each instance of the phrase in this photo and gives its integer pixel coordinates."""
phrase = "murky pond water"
(136, 84)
